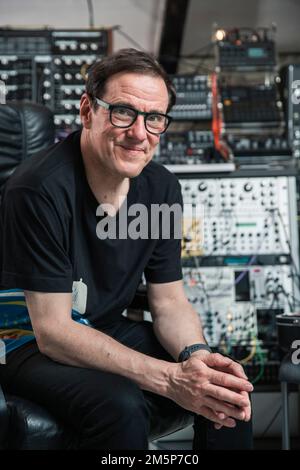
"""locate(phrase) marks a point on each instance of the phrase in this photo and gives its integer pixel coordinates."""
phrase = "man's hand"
(225, 364)
(213, 386)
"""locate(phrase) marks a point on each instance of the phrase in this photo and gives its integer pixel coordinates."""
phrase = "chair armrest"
(4, 418)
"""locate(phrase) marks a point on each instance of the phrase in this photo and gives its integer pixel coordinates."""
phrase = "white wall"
(140, 19)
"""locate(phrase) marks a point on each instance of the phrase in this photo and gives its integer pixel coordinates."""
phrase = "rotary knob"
(248, 187)
(202, 186)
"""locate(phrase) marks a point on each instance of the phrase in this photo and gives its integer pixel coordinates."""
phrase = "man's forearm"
(177, 325)
(82, 346)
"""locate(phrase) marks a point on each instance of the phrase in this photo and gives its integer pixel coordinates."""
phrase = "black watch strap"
(188, 351)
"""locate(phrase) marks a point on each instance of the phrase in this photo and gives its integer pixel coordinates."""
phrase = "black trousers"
(105, 410)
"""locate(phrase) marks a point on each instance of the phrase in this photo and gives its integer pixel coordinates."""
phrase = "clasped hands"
(213, 386)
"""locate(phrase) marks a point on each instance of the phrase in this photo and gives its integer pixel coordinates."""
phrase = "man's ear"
(86, 111)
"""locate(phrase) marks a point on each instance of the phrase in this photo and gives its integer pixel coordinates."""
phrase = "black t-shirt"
(50, 244)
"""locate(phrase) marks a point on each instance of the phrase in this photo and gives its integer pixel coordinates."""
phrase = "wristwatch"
(188, 351)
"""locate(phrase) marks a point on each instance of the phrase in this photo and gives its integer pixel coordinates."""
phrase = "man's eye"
(123, 112)
(155, 117)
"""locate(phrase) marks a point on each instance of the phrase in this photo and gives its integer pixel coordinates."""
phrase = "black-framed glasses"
(124, 116)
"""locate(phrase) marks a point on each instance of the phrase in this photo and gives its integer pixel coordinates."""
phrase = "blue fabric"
(13, 310)
(15, 320)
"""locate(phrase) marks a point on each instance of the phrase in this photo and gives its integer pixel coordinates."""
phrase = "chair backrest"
(25, 129)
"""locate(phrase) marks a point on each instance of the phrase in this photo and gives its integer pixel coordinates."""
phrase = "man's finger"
(230, 381)
(212, 416)
(217, 361)
(247, 408)
(224, 395)
(218, 426)
(223, 410)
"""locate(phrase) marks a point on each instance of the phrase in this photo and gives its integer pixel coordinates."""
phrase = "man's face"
(125, 152)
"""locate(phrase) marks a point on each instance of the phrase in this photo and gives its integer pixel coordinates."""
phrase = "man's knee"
(121, 420)
(127, 403)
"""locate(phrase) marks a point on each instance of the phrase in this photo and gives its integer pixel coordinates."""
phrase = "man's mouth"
(132, 148)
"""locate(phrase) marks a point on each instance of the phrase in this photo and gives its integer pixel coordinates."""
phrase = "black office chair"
(26, 128)
(288, 326)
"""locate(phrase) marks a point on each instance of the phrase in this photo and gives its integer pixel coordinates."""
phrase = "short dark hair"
(125, 60)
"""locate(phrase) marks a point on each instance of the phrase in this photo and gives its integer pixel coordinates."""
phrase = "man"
(91, 367)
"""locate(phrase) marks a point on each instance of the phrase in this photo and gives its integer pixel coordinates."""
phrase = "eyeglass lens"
(122, 116)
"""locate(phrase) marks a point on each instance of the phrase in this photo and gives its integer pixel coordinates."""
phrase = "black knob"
(202, 186)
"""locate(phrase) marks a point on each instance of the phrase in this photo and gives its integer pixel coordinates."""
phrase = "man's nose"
(138, 130)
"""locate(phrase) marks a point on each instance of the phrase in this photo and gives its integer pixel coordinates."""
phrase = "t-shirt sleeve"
(164, 264)
(34, 239)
